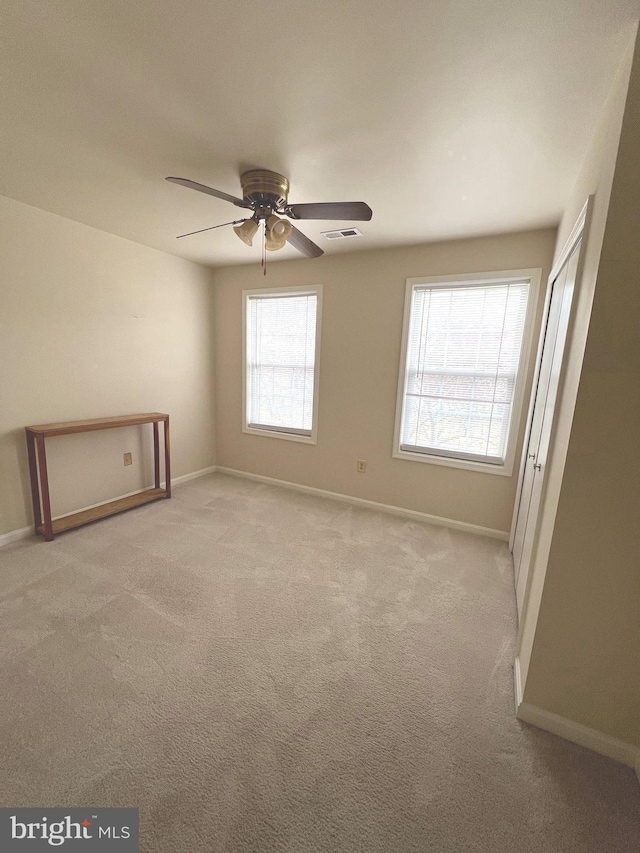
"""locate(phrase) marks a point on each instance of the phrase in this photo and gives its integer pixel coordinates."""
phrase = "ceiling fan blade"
(210, 228)
(201, 188)
(303, 244)
(354, 210)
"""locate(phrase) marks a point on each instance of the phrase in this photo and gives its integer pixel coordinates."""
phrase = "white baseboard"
(15, 535)
(193, 475)
(374, 505)
(517, 684)
(25, 532)
(625, 753)
(619, 750)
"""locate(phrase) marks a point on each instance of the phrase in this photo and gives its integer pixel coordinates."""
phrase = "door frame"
(579, 232)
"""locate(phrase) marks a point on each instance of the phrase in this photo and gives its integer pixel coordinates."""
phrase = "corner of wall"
(552, 642)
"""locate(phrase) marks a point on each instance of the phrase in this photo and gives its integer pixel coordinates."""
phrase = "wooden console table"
(38, 465)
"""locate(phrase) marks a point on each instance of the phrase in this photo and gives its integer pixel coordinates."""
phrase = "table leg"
(44, 484)
(33, 477)
(167, 458)
(156, 454)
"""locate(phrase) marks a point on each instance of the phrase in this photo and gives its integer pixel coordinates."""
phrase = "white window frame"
(532, 276)
(285, 433)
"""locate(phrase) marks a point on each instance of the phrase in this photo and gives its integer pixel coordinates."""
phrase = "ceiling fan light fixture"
(272, 245)
(279, 229)
(278, 232)
(246, 231)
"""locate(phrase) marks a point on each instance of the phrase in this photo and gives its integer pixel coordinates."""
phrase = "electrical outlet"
(128, 459)
(362, 466)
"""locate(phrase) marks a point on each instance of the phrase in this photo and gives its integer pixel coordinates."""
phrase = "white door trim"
(579, 229)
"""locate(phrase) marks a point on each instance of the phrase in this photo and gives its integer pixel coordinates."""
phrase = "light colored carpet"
(260, 670)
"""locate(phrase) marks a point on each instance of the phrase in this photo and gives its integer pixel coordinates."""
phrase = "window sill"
(287, 436)
(505, 470)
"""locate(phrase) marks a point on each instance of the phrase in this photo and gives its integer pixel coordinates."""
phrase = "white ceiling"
(450, 118)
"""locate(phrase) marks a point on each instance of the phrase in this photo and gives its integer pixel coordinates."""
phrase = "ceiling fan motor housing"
(265, 190)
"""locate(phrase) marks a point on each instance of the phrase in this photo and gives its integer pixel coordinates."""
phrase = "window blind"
(463, 353)
(281, 344)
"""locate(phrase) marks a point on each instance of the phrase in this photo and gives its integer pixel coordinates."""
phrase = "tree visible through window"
(463, 352)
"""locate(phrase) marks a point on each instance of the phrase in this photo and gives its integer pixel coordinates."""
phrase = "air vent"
(342, 234)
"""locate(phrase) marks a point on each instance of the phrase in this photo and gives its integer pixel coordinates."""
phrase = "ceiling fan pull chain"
(264, 249)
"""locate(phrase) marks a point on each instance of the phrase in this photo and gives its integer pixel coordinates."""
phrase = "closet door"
(539, 434)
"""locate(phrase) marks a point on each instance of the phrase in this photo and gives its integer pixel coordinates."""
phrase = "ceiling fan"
(266, 194)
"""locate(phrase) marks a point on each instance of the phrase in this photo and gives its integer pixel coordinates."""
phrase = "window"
(465, 347)
(282, 335)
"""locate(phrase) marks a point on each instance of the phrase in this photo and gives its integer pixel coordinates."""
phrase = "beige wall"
(595, 177)
(585, 648)
(92, 325)
(363, 303)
